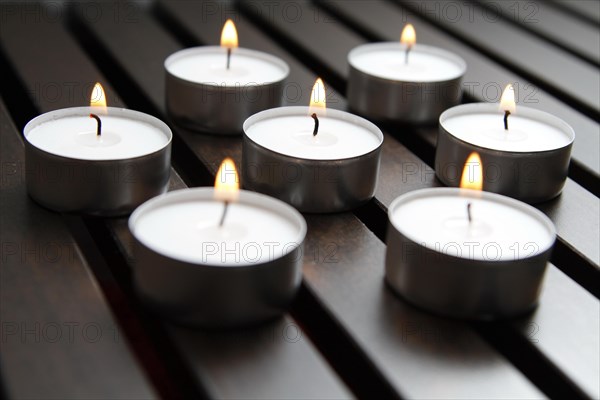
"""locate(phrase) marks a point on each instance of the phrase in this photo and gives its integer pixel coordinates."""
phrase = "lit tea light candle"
(96, 160)
(466, 253)
(316, 159)
(404, 81)
(218, 257)
(525, 152)
(214, 89)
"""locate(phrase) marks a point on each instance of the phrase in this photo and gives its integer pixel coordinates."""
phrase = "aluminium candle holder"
(529, 176)
(402, 101)
(214, 107)
(96, 187)
(311, 185)
(464, 288)
(213, 296)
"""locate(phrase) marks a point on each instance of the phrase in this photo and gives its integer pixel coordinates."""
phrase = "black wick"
(316, 130)
(228, 56)
(469, 212)
(225, 208)
(99, 126)
(506, 114)
(408, 49)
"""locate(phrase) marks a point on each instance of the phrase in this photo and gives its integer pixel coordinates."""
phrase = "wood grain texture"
(56, 324)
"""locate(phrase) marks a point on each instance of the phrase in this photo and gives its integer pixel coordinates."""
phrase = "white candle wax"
(529, 130)
(71, 133)
(501, 228)
(425, 63)
(289, 131)
(186, 228)
(207, 65)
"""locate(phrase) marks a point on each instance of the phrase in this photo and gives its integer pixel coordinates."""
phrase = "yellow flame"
(507, 101)
(472, 176)
(227, 184)
(229, 36)
(317, 98)
(409, 35)
(98, 98)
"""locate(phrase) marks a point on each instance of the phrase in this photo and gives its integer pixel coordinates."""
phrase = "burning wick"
(506, 114)
(228, 56)
(316, 130)
(99, 126)
(469, 213)
(408, 49)
(225, 208)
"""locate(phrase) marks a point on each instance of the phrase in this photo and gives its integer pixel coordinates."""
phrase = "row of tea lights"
(222, 257)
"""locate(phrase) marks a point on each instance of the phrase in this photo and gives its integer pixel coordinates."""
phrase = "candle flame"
(472, 176)
(229, 36)
(409, 35)
(317, 98)
(98, 98)
(507, 101)
(227, 183)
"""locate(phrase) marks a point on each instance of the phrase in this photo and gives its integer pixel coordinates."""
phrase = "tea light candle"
(211, 261)
(103, 166)
(528, 158)
(214, 89)
(404, 82)
(466, 253)
(315, 159)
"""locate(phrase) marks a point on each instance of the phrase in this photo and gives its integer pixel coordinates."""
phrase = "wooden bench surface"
(346, 334)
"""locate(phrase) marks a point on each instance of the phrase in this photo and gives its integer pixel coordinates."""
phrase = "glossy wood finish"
(348, 334)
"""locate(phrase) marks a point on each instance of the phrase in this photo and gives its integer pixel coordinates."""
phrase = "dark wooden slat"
(295, 366)
(588, 10)
(565, 328)
(575, 212)
(530, 54)
(335, 40)
(354, 241)
(483, 76)
(56, 325)
(558, 27)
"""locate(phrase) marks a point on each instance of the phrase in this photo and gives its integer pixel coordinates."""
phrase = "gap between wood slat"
(498, 12)
(575, 13)
(545, 375)
(358, 371)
